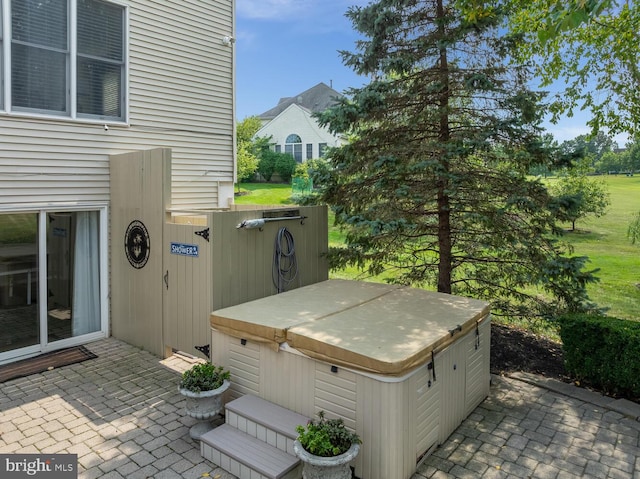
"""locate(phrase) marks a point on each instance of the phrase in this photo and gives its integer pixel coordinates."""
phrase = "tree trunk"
(444, 213)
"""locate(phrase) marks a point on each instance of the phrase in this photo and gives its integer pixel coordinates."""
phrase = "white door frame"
(45, 345)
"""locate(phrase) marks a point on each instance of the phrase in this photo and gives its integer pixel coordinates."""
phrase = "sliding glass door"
(19, 323)
(51, 280)
(73, 274)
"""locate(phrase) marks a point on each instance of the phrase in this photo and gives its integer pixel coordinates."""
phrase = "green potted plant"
(203, 386)
(326, 447)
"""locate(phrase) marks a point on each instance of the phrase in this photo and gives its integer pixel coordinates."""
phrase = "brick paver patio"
(122, 415)
(523, 430)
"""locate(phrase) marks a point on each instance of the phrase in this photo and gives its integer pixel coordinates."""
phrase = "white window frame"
(322, 149)
(45, 346)
(292, 145)
(5, 70)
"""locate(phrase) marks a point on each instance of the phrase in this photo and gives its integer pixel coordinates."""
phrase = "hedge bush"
(603, 351)
(285, 166)
(267, 164)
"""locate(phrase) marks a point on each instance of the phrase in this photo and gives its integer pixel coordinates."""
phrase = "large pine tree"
(432, 186)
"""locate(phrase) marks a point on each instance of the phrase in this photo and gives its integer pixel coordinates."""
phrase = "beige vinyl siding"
(180, 86)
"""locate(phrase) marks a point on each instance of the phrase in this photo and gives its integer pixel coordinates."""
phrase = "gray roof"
(315, 99)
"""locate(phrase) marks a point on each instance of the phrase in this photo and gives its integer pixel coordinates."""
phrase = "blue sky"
(284, 47)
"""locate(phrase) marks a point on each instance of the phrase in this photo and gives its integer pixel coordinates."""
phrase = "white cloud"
(567, 132)
(270, 9)
(570, 128)
(287, 10)
(245, 37)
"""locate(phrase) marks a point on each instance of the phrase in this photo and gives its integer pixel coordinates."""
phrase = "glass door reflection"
(73, 274)
(19, 319)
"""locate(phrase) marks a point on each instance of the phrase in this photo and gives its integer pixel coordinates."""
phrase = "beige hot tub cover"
(378, 328)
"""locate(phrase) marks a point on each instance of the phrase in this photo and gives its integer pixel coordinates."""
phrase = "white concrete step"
(265, 421)
(247, 457)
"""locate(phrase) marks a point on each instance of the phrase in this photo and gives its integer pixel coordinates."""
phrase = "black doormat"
(44, 362)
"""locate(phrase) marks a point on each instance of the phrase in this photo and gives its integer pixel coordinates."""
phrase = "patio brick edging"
(625, 407)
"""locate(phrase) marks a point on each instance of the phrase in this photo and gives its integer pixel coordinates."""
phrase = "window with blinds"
(39, 55)
(42, 41)
(100, 64)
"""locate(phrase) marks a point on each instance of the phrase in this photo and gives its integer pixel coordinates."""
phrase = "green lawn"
(18, 228)
(263, 194)
(603, 240)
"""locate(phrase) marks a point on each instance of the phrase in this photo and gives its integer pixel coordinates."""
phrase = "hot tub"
(402, 366)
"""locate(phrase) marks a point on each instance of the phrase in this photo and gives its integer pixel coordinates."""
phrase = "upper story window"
(322, 149)
(64, 67)
(39, 55)
(293, 146)
(100, 67)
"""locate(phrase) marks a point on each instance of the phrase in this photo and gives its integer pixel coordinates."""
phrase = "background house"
(292, 127)
(83, 80)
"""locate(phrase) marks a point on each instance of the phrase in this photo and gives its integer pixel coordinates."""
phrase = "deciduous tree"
(591, 48)
(589, 194)
(246, 154)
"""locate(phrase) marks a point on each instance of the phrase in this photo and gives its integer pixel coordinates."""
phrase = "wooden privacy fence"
(169, 269)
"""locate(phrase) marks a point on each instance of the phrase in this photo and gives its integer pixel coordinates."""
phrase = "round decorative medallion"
(136, 244)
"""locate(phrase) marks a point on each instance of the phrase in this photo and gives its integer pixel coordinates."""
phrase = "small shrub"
(301, 171)
(326, 437)
(603, 351)
(318, 170)
(285, 166)
(267, 164)
(203, 377)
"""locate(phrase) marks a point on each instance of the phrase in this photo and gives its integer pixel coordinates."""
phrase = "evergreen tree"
(433, 184)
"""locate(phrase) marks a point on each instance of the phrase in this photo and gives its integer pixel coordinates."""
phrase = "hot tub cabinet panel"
(477, 366)
(427, 417)
(464, 377)
(400, 417)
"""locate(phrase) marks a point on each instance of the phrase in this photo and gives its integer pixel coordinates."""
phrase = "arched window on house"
(293, 146)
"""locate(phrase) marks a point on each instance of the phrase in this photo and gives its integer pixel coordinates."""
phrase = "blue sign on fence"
(184, 249)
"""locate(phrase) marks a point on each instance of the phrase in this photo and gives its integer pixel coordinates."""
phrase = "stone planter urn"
(203, 406)
(319, 467)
